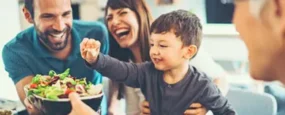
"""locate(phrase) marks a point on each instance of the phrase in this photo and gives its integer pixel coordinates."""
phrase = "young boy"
(168, 83)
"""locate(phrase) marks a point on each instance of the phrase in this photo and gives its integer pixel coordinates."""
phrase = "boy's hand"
(90, 49)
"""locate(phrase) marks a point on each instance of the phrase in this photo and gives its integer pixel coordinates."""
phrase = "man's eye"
(150, 45)
(47, 16)
(66, 14)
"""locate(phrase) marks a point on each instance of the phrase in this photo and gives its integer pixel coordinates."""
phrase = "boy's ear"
(27, 15)
(190, 51)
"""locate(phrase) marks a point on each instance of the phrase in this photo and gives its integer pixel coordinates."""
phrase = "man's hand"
(90, 49)
(30, 108)
(78, 107)
(196, 109)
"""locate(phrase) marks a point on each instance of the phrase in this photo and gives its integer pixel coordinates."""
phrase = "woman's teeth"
(121, 31)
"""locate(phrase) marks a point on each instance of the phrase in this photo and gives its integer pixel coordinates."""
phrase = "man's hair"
(184, 24)
(29, 5)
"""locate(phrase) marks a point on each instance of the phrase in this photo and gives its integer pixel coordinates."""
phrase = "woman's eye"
(163, 46)
(124, 12)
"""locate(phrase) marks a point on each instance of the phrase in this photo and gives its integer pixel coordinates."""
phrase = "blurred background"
(220, 40)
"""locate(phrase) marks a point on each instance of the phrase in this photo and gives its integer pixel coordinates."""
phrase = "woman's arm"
(222, 84)
(113, 101)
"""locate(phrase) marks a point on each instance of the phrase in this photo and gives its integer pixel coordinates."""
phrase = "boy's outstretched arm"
(129, 73)
(213, 100)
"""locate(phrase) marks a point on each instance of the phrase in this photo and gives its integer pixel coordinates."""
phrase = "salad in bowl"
(49, 93)
(58, 86)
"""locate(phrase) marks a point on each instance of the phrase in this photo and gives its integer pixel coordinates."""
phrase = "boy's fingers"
(92, 53)
(83, 43)
(91, 43)
(83, 47)
(98, 45)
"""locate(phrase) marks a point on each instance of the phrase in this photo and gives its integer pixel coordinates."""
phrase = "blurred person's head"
(175, 39)
(261, 24)
(52, 20)
(128, 21)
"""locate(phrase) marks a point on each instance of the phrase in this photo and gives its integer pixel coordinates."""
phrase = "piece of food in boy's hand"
(56, 86)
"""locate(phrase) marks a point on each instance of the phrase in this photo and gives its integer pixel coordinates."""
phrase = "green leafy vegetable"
(64, 74)
(52, 92)
(51, 73)
(88, 85)
(36, 79)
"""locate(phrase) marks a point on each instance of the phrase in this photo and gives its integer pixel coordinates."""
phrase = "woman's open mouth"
(122, 33)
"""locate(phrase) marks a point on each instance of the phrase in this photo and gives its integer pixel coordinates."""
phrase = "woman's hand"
(145, 108)
(196, 109)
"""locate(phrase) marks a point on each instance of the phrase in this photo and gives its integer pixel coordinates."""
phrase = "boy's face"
(167, 51)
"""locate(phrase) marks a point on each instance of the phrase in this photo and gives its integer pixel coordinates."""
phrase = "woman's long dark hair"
(144, 20)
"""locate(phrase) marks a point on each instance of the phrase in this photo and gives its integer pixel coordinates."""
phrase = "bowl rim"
(67, 99)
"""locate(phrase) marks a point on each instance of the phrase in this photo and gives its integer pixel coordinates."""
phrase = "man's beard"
(54, 46)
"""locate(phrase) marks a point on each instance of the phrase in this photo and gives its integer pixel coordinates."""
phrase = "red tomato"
(67, 91)
(33, 86)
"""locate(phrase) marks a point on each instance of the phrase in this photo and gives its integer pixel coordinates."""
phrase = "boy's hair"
(184, 24)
